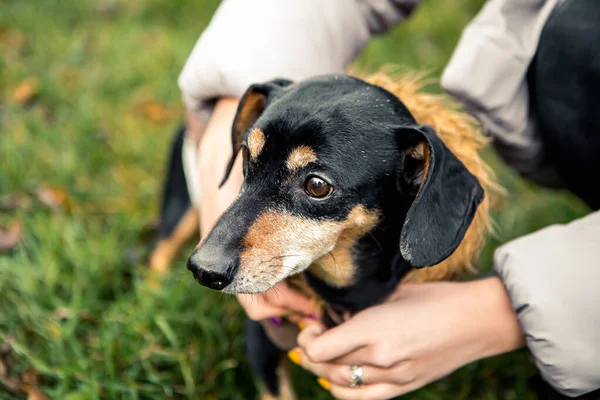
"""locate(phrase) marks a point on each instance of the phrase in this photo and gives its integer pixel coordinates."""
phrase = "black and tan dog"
(351, 187)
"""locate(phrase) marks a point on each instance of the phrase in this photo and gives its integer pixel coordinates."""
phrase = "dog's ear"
(252, 104)
(446, 197)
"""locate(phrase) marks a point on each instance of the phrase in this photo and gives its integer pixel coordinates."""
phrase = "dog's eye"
(317, 187)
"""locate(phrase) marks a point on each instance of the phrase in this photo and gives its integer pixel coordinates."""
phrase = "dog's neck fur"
(373, 284)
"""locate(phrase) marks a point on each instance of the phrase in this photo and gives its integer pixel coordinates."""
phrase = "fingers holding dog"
(402, 373)
(279, 301)
(377, 383)
(283, 296)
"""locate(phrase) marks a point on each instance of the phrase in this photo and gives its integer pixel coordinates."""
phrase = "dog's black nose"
(211, 279)
(213, 272)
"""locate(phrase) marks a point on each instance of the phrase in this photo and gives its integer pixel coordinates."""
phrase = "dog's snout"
(215, 272)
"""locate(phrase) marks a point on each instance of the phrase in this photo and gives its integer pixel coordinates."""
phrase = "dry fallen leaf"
(29, 382)
(154, 111)
(108, 8)
(26, 90)
(62, 313)
(30, 385)
(9, 238)
(11, 39)
(55, 198)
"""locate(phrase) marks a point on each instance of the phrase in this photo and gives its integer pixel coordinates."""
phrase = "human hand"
(277, 302)
(421, 334)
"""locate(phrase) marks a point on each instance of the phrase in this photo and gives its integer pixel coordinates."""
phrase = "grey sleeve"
(253, 41)
(553, 280)
(487, 74)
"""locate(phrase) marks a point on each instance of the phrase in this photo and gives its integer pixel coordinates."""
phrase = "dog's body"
(351, 187)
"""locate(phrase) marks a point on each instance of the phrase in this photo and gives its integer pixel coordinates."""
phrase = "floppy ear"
(447, 197)
(252, 104)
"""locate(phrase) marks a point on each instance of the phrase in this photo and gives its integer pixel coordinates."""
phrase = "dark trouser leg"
(268, 363)
(564, 82)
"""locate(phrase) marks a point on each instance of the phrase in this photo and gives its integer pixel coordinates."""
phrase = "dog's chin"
(244, 286)
(265, 280)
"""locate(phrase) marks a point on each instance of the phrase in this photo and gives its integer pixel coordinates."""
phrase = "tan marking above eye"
(256, 143)
(300, 157)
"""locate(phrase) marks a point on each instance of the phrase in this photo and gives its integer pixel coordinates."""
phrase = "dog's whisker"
(287, 255)
(278, 257)
(375, 240)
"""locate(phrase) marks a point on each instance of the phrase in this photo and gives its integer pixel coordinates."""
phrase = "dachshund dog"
(352, 185)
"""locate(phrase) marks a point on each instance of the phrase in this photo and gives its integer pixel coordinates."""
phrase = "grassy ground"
(87, 106)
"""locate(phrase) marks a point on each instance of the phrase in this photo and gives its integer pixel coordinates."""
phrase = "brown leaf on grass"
(11, 38)
(155, 111)
(9, 238)
(30, 385)
(108, 8)
(26, 90)
(54, 197)
(64, 313)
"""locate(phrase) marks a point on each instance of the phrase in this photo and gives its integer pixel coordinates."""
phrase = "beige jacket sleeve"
(487, 74)
(252, 41)
(551, 276)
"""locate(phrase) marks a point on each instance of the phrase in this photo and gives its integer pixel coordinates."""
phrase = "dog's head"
(326, 161)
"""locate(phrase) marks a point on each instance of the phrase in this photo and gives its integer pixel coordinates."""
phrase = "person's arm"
(252, 41)
(552, 277)
(487, 74)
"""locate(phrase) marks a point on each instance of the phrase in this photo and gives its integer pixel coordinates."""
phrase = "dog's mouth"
(254, 274)
(278, 245)
(268, 274)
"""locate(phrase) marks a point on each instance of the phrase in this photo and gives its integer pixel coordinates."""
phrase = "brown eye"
(317, 187)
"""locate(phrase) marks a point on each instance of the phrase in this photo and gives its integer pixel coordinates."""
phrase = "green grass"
(76, 297)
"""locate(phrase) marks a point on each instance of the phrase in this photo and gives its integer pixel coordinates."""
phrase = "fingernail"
(325, 384)
(275, 321)
(294, 355)
(301, 324)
